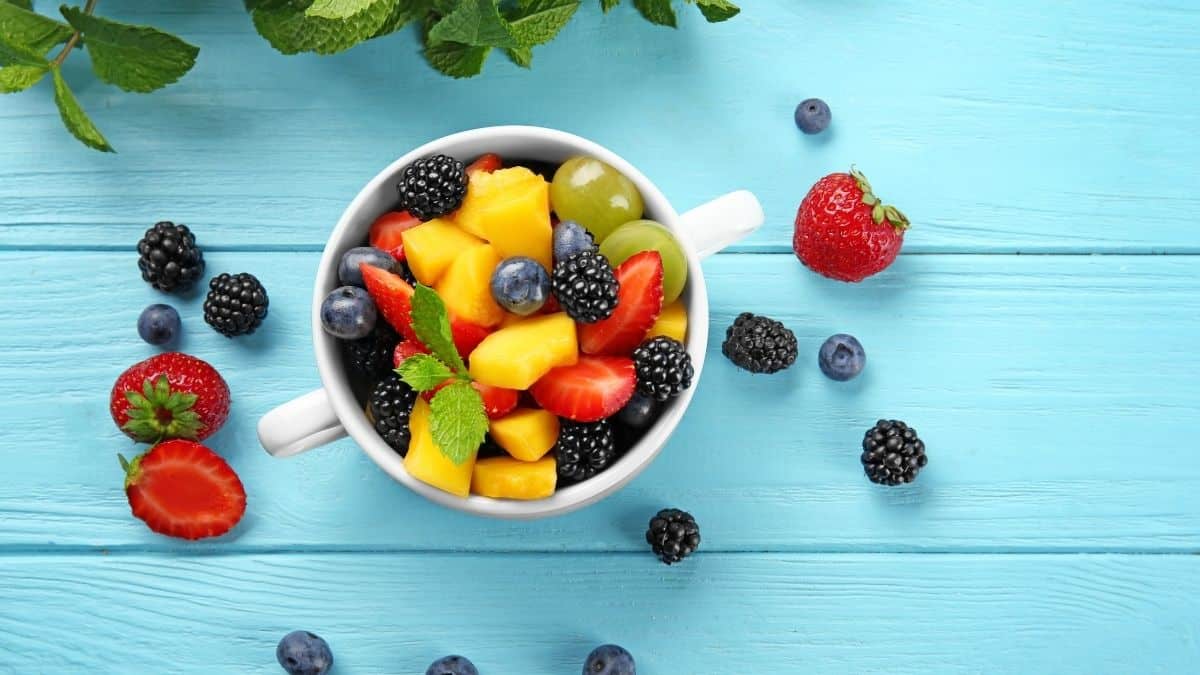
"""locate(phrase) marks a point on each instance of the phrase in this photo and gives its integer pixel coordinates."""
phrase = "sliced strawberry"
(487, 163)
(182, 489)
(393, 298)
(467, 335)
(405, 349)
(639, 302)
(594, 388)
(386, 231)
(497, 401)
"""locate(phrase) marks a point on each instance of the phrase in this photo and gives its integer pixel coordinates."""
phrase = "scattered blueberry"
(570, 238)
(841, 357)
(452, 665)
(348, 272)
(302, 653)
(521, 285)
(813, 116)
(609, 660)
(159, 324)
(639, 412)
(348, 313)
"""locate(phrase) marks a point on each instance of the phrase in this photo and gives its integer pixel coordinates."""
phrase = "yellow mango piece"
(425, 460)
(430, 248)
(517, 356)
(672, 322)
(465, 287)
(511, 209)
(526, 433)
(508, 478)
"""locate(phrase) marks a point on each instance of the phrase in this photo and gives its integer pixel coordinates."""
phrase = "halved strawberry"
(594, 388)
(386, 231)
(488, 163)
(405, 349)
(497, 401)
(393, 299)
(639, 302)
(182, 489)
(467, 335)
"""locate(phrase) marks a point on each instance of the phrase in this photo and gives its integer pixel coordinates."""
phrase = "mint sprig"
(459, 422)
(423, 372)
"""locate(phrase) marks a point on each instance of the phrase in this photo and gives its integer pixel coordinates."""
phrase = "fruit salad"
(514, 327)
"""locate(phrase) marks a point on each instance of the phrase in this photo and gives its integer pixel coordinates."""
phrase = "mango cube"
(526, 433)
(671, 323)
(430, 248)
(511, 209)
(465, 287)
(425, 460)
(508, 478)
(516, 356)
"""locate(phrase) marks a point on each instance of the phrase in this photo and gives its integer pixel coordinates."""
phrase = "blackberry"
(892, 453)
(390, 405)
(371, 356)
(236, 304)
(169, 258)
(664, 368)
(673, 534)
(432, 187)
(585, 286)
(759, 344)
(584, 449)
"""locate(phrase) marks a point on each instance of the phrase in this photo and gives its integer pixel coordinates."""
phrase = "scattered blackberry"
(391, 403)
(584, 449)
(169, 258)
(892, 453)
(236, 304)
(585, 286)
(432, 187)
(759, 344)
(673, 534)
(664, 368)
(371, 356)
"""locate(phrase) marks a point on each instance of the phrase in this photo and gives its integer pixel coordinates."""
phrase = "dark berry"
(349, 273)
(673, 534)
(169, 258)
(639, 412)
(544, 169)
(759, 344)
(892, 453)
(402, 269)
(570, 238)
(585, 286)
(349, 313)
(159, 324)
(236, 304)
(664, 368)
(432, 187)
(584, 449)
(371, 357)
(520, 285)
(841, 357)
(303, 653)
(609, 660)
(390, 404)
(813, 116)
(452, 665)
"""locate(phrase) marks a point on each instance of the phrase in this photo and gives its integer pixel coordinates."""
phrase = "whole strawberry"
(844, 232)
(183, 489)
(170, 395)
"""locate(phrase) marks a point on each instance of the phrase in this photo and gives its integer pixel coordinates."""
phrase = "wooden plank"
(1055, 394)
(998, 126)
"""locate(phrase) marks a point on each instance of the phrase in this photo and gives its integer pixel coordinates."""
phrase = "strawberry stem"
(879, 210)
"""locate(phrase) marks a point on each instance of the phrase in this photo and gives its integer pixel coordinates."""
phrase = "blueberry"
(452, 665)
(639, 412)
(348, 272)
(348, 313)
(813, 116)
(302, 653)
(159, 324)
(841, 357)
(570, 238)
(609, 660)
(520, 285)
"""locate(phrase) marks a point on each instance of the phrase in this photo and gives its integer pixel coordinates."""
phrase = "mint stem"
(88, 8)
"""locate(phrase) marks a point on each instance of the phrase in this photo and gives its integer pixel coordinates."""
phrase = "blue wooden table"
(1040, 331)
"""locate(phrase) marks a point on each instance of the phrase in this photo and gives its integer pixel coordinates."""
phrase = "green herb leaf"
(458, 423)
(476, 23)
(657, 11)
(21, 77)
(537, 22)
(17, 54)
(431, 323)
(26, 4)
(403, 12)
(73, 115)
(423, 372)
(36, 33)
(455, 59)
(717, 10)
(291, 30)
(134, 58)
(608, 4)
(522, 56)
(337, 9)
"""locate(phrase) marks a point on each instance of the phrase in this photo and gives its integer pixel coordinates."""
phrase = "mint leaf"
(717, 10)
(17, 54)
(608, 4)
(291, 30)
(134, 58)
(423, 372)
(458, 421)
(656, 11)
(536, 22)
(522, 56)
(403, 12)
(26, 4)
(337, 9)
(24, 28)
(73, 115)
(20, 77)
(455, 59)
(476, 23)
(431, 323)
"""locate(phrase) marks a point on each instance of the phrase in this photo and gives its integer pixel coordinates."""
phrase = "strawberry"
(405, 349)
(497, 401)
(844, 232)
(639, 302)
(487, 163)
(182, 489)
(171, 395)
(594, 388)
(386, 230)
(393, 299)
(467, 335)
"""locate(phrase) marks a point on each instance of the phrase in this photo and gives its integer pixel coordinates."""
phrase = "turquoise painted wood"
(1055, 530)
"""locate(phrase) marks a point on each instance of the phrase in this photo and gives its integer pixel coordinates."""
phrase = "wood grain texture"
(1053, 393)
(541, 614)
(998, 126)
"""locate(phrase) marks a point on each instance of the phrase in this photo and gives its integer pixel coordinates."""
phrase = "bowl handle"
(721, 222)
(300, 424)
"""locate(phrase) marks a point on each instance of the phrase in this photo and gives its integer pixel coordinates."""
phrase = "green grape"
(647, 235)
(594, 195)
